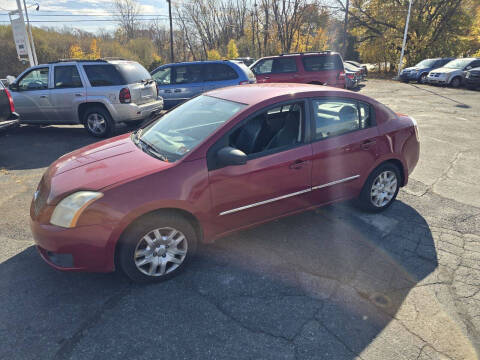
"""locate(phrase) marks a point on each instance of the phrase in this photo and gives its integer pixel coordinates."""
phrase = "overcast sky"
(69, 11)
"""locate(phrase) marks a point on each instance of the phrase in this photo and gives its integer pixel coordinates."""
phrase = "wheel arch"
(394, 161)
(82, 108)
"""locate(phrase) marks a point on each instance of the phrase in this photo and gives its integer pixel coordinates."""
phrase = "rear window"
(322, 62)
(103, 75)
(133, 72)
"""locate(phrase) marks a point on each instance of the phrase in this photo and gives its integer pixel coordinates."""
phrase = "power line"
(89, 15)
(78, 20)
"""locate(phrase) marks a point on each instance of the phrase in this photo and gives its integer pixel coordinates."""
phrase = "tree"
(76, 52)
(213, 54)
(127, 16)
(94, 50)
(232, 51)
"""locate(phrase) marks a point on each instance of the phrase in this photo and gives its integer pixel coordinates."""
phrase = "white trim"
(335, 182)
(288, 195)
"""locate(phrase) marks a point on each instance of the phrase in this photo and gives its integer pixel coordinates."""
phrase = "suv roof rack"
(308, 52)
(105, 59)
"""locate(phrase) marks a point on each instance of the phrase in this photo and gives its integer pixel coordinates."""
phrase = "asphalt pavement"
(334, 283)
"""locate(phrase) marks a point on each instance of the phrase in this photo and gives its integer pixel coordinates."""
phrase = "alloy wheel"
(383, 188)
(161, 251)
(96, 123)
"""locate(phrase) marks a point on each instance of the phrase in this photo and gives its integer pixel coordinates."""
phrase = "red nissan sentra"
(223, 161)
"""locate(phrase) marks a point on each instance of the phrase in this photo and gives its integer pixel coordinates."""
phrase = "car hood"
(444, 70)
(98, 166)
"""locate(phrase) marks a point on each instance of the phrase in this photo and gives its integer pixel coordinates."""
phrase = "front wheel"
(456, 82)
(156, 247)
(380, 189)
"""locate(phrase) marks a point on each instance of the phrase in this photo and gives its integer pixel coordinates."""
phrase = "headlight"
(68, 210)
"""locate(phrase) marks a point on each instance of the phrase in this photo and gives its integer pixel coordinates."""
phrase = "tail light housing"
(124, 96)
(341, 75)
(350, 76)
(10, 101)
(243, 83)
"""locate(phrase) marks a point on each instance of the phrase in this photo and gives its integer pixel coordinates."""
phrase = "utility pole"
(404, 38)
(34, 53)
(171, 30)
(22, 33)
(345, 27)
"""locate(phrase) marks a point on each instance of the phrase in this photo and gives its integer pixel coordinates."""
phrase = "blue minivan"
(179, 82)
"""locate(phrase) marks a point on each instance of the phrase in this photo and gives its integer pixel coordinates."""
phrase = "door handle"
(168, 91)
(43, 96)
(297, 164)
(77, 94)
(177, 90)
(266, 77)
(367, 143)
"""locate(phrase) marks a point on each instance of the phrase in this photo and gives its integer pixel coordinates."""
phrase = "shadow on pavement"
(457, 103)
(319, 285)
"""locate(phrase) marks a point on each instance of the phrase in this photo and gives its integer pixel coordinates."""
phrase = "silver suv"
(96, 93)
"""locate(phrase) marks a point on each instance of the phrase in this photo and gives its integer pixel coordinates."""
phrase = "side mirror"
(468, 67)
(231, 156)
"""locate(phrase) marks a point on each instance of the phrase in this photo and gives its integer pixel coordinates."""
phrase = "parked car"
(361, 66)
(96, 93)
(357, 72)
(472, 78)
(420, 71)
(8, 116)
(351, 79)
(320, 68)
(246, 60)
(225, 160)
(453, 73)
(181, 81)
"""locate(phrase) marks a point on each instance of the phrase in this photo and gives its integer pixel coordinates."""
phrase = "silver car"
(453, 73)
(96, 93)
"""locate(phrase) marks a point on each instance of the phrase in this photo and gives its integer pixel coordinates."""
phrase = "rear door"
(32, 96)
(324, 68)
(67, 93)
(187, 82)
(217, 75)
(280, 69)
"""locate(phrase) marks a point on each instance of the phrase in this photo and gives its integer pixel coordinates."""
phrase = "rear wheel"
(456, 82)
(380, 189)
(157, 247)
(98, 122)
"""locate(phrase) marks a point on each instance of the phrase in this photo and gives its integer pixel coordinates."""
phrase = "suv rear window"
(132, 72)
(322, 62)
(103, 75)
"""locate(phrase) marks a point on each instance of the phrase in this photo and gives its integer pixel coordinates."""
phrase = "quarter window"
(219, 72)
(67, 77)
(322, 62)
(337, 117)
(35, 80)
(103, 75)
(276, 66)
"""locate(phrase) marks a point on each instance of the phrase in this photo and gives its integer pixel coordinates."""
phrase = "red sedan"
(226, 160)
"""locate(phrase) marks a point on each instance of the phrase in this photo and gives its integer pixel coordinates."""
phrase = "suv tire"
(98, 122)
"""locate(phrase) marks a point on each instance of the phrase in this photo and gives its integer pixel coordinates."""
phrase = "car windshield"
(426, 63)
(179, 131)
(458, 64)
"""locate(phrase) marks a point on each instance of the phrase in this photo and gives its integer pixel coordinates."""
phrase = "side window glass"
(35, 80)
(263, 67)
(103, 75)
(337, 117)
(163, 76)
(272, 129)
(67, 77)
(284, 65)
(187, 74)
(219, 72)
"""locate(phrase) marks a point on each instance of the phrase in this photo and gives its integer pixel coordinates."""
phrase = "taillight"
(124, 96)
(10, 100)
(350, 76)
(341, 75)
(243, 83)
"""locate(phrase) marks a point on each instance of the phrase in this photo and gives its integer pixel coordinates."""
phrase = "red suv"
(322, 68)
(222, 161)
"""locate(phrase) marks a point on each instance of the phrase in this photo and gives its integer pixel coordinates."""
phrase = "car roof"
(201, 62)
(257, 93)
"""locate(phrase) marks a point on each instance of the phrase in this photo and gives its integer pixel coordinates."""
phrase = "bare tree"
(126, 13)
(288, 16)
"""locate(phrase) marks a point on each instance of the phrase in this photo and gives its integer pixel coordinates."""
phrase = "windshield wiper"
(150, 149)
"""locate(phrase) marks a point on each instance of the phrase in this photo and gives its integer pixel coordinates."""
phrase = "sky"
(87, 15)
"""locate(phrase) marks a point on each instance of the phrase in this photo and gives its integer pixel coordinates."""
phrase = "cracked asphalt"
(333, 283)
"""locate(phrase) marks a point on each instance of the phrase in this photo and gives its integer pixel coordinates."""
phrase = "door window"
(270, 131)
(67, 77)
(219, 72)
(187, 74)
(336, 117)
(35, 80)
(163, 76)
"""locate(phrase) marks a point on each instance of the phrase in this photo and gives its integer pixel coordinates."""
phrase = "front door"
(344, 148)
(32, 96)
(276, 178)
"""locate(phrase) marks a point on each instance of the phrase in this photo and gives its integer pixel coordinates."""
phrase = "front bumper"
(437, 80)
(83, 248)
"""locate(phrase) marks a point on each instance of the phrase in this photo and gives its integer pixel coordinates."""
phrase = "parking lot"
(333, 283)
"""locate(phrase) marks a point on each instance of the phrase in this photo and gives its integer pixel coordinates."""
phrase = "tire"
(367, 201)
(98, 122)
(456, 82)
(144, 254)
(423, 78)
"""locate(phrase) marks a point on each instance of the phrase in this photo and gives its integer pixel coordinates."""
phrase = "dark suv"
(322, 68)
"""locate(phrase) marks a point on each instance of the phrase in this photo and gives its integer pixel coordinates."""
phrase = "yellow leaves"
(94, 50)
(213, 54)
(232, 51)
(76, 52)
